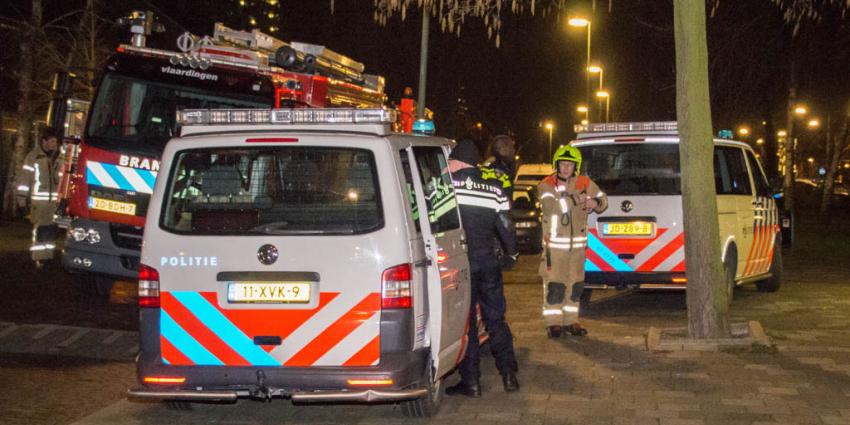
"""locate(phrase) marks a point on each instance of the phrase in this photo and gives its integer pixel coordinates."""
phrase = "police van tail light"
(148, 287)
(397, 287)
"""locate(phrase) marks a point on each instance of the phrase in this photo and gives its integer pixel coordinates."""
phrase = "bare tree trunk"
(836, 146)
(92, 47)
(706, 293)
(26, 76)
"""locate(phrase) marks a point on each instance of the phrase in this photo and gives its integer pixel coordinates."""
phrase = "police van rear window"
(277, 191)
(633, 169)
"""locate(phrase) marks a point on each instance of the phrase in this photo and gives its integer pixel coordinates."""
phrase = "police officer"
(484, 212)
(502, 166)
(567, 199)
(38, 181)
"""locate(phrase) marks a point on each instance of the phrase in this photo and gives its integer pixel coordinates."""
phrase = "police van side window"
(437, 185)
(762, 187)
(730, 172)
(408, 188)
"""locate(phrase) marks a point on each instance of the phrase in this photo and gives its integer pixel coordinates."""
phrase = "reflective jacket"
(484, 211)
(39, 181)
(565, 225)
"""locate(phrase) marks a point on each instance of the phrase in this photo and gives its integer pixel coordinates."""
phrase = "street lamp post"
(607, 96)
(584, 110)
(584, 22)
(550, 126)
(596, 69)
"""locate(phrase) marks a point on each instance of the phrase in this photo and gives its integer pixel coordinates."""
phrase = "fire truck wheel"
(773, 283)
(729, 272)
(428, 405)
(178, 405)
(93, 285)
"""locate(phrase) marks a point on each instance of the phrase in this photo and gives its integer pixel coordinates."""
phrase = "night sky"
(536, 74)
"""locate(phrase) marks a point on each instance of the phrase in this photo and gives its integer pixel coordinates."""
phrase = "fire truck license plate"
(269, 292)
(636, 228)
(112, 206)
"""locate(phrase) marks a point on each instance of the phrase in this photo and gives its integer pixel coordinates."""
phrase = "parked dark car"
(525, 212)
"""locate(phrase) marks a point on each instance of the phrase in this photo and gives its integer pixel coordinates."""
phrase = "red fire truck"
(113, 166)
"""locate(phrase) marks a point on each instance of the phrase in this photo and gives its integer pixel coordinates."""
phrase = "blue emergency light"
(725, 134)
(423, 126)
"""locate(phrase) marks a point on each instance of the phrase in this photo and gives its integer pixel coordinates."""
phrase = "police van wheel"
(773, 283)
(94, 285)
(178, 405)
(554, 331)
(428, 405)
(584, 300)
(729, 275)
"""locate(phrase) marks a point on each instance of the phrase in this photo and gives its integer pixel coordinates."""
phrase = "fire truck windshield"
(137, 115)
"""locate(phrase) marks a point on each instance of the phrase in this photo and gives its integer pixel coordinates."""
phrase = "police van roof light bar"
(613, 127)
(286, 116)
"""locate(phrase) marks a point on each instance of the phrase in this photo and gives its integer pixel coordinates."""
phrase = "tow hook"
(262, 392)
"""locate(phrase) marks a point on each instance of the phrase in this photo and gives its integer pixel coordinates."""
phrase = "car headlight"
(78, 234)
(93, 236)
(525, 224)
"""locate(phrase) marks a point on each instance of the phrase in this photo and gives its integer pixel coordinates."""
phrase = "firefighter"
(484, 214)
(502, 165)
(38, 181)
(567, 198)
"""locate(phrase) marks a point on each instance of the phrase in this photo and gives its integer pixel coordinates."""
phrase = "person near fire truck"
(484, 214)
(38, 182)
(567, 198)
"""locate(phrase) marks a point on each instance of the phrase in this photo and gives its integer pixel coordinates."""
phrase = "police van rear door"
(271, 250)
(447, 267)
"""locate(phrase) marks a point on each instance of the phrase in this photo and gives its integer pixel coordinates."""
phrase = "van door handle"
(426, 262)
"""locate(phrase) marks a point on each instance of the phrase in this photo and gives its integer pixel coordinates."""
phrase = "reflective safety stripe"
(553, 231)
(189, 346)
(552, 312)
(607, 255)
(119, 177)
(43, 247)
(555, 245)
(570, 309)
(478, 202)
(28, 168)
(547, 195)
(600, 194)
(561, 239)
(590, 267)
(23, 188)
(563, 203)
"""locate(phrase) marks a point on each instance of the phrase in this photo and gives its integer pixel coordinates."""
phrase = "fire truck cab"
(639, 241)
(113, 169)
(307, 254)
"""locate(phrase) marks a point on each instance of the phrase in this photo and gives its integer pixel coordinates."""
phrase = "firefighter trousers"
(561, 302)
(488, 293)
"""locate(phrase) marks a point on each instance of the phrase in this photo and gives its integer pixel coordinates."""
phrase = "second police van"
(308, 254)
(639, 241)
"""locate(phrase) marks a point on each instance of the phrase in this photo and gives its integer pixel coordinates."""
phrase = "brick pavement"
(609, 378)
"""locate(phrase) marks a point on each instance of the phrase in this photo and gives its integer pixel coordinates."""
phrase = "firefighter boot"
(575, 329)
(510, 382)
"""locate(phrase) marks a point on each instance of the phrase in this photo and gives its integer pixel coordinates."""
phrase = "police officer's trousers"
(487, 292)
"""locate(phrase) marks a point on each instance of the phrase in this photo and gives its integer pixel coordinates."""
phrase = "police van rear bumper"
(305, 385)
(635, 280)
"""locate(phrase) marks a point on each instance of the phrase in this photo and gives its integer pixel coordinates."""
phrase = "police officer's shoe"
(469, 389)
(510, 382)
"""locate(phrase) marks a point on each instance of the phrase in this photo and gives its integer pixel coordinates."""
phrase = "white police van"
(639, 241)
(308, 254)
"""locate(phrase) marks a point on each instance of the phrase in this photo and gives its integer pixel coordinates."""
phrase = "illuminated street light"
(586, 23)
(759, 141)
(584, 122)
(582, 109)
(801, 110)
(743, 131)
(596, 69)
(550, 126)
(781, 133)
(602, 94)
(813, 123)
(811, 160)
